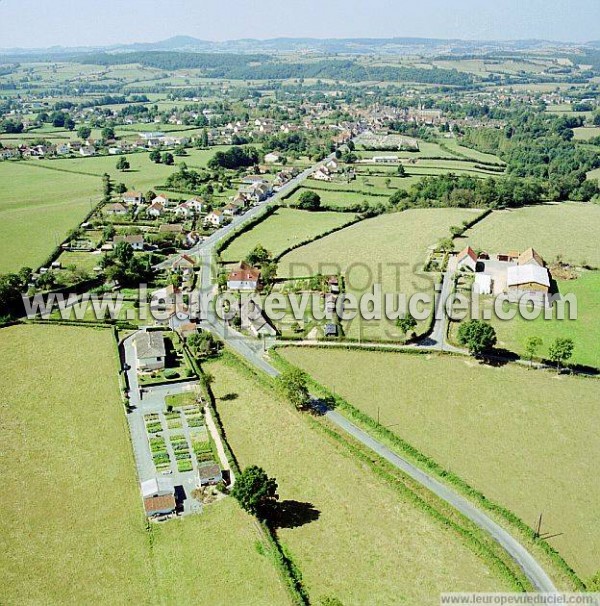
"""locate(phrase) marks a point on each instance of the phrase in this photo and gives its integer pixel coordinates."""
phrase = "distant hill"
(358, 46)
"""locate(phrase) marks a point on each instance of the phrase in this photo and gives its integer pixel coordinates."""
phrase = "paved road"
(252, 351)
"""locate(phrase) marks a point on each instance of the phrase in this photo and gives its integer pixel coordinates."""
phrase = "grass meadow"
(570, 230)
(284, 228)
(73, 529)
(367, 543)
(37, 208)
(390, 250)
(338, 199)
(527, 439)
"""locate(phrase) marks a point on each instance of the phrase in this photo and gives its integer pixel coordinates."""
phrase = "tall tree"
(560, 351)
(532, 346)
(255, 491)
(293, 384)
(479, 337)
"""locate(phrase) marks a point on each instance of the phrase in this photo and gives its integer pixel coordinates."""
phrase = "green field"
(213, 558)
(568, 229)
(72, 527)
(526, 439)
(585, 133)
(426, 150)
(585, 330)
(284, 228)
(37, 208)
(68, 472)
(390, 250)
(338, 199)
(368, 544)
(143, 174)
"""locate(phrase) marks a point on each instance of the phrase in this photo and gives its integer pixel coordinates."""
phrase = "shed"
(209, 473)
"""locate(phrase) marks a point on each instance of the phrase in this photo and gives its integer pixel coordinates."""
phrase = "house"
(149, 350)
(115, 209)
(332, 165)
(133, 197)
(528, 278)
(272, 158)
(466, 259)
(231, 210)
(87, 151)
(254, 320)
(197, 204)
(209, 473)
(159, 496)
(185, 211)
(530, 257)
(137, 242)
(243, 277)
(321, 174)
(215, 218)
(162, 199)
(155, 210)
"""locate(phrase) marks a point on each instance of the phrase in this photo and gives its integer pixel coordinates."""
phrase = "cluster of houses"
(515, 273)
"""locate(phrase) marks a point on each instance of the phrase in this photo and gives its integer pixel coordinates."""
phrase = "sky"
(44, 23)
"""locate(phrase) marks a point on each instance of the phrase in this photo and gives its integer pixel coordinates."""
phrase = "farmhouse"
(466, 259)
(87, 151)
(243, 278)
(185, 211)
(197, 204)
(149, 350)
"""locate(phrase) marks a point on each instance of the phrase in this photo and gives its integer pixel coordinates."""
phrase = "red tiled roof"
(161, 503)
(244, 274)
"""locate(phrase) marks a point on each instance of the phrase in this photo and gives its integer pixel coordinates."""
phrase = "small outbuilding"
(209, 473)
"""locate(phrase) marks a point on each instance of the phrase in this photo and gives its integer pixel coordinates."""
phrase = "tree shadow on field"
(498, 357)
(229, 397)
(292, 514)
